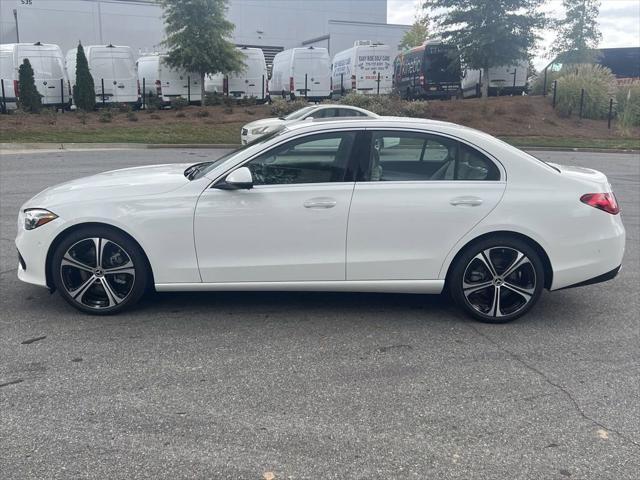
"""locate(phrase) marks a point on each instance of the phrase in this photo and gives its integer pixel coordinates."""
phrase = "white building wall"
(138, 23)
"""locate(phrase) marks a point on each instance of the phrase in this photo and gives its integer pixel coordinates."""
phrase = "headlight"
(260, 130)
(36, 217)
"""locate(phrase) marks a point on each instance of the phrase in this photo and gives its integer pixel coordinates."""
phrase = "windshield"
(199, 170)
(299, 113)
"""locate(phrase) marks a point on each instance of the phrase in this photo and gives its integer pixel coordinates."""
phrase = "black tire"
(484, 263)
(123, 266)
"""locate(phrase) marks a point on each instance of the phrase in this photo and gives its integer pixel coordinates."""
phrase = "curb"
(141, 146)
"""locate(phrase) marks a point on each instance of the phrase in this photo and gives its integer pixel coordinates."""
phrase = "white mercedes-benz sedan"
(256, 129)
(382, 205)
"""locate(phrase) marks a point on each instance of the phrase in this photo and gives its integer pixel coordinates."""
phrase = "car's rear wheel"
(497, 279)
(99, 270)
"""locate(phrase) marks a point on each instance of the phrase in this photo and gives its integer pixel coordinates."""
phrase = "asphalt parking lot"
(315, 386)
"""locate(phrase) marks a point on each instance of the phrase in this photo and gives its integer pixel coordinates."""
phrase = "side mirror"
(239, 179)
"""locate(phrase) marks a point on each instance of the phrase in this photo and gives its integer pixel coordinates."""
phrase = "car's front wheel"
(497, 279)
(99, 270)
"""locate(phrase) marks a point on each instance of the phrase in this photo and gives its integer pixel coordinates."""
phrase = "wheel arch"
(546, 262)
(79, 226)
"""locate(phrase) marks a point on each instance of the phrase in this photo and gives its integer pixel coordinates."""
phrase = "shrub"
(180, 115)
(123, 107)
(248, 101)
(629, 106)
(105, 116)
(202, 113)
(380, 104)
(132, 117)
(155, 116)
(418, 109)
(249, 111)
(537, 84)
(599, 86)
(179, 103)
(227, 110)
(212, 98)
(29, 100)
(152, 102)
(84, 91)
(281, 108)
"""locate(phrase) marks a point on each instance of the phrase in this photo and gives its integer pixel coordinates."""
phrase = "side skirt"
(380, 286)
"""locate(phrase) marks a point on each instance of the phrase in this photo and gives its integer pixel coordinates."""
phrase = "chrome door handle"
(320, 203)
(466, 201)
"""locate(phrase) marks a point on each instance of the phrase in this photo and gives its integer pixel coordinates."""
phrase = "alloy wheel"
(499, 281)
(97, 273)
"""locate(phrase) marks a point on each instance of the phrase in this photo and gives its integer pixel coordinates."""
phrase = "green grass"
(170, 134)
(569, 142)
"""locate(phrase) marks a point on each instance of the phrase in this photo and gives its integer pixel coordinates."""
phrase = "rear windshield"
(46, 67)
(6, 66)
(299, 113)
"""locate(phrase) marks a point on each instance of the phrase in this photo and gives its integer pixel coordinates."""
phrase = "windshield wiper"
(193, 170)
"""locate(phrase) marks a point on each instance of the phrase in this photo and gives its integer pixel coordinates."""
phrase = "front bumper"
(33, 248)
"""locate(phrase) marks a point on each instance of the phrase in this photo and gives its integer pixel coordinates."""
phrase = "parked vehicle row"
(431, 70)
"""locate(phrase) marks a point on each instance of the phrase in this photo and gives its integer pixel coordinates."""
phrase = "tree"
(84, 91)
(197, 38)
(489, 33)
(417, 34)
(29, 98)
(578, 33)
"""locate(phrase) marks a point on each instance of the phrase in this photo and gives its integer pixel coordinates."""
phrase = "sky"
(619, 22)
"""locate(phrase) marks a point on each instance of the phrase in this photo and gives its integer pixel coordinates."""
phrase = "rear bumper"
(605, 277)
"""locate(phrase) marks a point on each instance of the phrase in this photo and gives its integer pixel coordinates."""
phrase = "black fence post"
(102, 85)
(478, 89)
(544, 84)
(225, 85)
(515, 72)
(62, 93)
(555, 90)
(305, 85)
(188, 88)
(378, 92)
(262, 87)
(4, 99)
(341, 84)
(144, 94)
(581, 103)
(610, 112)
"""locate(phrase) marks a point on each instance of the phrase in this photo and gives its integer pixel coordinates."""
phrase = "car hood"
(266, 122)
(129, 182)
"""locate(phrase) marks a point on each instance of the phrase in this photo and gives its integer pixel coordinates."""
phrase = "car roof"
(376, 122)
(340, 105)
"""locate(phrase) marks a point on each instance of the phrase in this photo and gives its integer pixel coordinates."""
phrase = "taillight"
(159, 88)
(353, 82)
(16, 88)
(602, 201)
(291, 84)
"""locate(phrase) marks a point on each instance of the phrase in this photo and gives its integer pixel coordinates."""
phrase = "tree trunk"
(484, 87)
(202, 89)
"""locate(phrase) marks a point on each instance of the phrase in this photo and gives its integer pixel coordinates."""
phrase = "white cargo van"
(48, 71)
(292, 67)
(251, 82)
(358, 69)
(505, 80)
(167, 83)
(111, 66)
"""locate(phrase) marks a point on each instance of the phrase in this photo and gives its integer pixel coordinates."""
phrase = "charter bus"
(431, 70)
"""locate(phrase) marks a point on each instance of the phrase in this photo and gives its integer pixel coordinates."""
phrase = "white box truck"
(112, 67)
(49, 72)
(301, 72)
(505, 80)
(251, 82)
(365, 68)
(165, 82)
